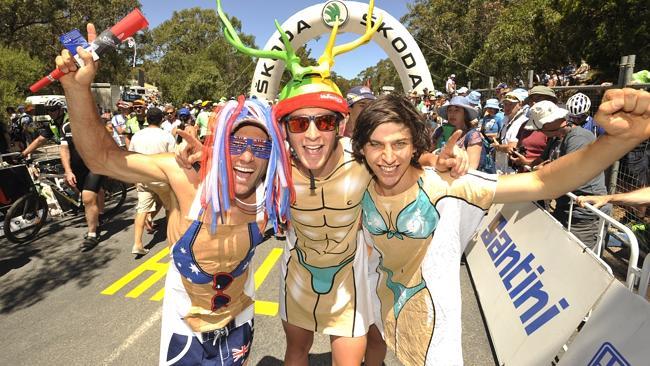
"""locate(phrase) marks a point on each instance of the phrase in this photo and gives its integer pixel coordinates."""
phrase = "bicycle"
(46, 190)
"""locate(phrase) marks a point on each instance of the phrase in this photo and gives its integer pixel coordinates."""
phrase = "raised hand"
(452, 158)
(625, 113)
(76, 76)
(191, 151)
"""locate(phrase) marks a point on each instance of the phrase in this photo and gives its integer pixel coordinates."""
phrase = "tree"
(604, 30)
(188, 57)
(17, 69)
(34, 27)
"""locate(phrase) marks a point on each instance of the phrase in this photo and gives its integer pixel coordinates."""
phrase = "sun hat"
(474, 98)
(517, 95)
(462, 90)
(544, 112)
(492, 103)
(470, 112)
(542, 90)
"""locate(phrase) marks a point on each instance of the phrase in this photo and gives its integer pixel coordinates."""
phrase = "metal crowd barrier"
(634, 273)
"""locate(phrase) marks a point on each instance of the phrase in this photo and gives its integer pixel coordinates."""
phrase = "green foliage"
(188, 58)
(35, 27)
(17, 69)
(502, 38)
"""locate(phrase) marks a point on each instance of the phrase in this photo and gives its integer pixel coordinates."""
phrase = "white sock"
(92, 235)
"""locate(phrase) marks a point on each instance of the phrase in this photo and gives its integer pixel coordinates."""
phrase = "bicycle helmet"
(578, 104)
(55, 103)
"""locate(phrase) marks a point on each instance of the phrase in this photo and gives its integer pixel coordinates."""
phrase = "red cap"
(129, 25)
(327, 100)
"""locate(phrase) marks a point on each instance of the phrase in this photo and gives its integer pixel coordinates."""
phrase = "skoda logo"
(333, 10)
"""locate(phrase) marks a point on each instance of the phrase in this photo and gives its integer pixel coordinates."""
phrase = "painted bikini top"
(189, 268)
(418, 220)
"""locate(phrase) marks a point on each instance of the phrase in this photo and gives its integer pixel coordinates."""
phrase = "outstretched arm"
(640, 197)
(625, 115)
(95, 145)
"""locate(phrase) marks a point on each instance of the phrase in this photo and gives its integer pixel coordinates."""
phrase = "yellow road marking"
(159, 269)
(269, 308)
(150, 265)
(159, 295)
(267, 265)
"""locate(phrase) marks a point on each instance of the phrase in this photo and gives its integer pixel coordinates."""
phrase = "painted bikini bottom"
(401, 293)
(322, 278)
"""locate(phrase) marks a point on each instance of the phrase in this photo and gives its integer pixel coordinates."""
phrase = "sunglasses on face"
(169, 113)
(323, 122)
(220, 282)
(260, 148)
(576, 119)
(554, 129)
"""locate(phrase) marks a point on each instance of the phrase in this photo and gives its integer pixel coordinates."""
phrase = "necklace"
(249, 208)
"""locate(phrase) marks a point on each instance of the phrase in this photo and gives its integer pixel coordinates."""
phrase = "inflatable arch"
(316, 20)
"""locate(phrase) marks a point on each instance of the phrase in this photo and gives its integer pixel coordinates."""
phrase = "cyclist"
(40, 132)
(578, 106)
(88, 183)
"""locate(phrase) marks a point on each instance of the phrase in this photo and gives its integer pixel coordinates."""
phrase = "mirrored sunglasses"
(323, 122)
(260, 148)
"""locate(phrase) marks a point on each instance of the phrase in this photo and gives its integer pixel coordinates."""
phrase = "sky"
(257, 19)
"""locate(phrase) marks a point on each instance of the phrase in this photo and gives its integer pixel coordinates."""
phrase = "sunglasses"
(220, 282)
(576, 119)
(260, 148)
(554, 129)
(323, 122)
(169, 113)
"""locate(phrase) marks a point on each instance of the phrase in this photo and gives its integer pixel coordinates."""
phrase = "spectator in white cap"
(550, 119)
(462, 91)
(492, 122)
(450, 85)
(515, 117)
(358, 97)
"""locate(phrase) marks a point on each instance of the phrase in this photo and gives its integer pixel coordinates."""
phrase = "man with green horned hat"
(324, 272)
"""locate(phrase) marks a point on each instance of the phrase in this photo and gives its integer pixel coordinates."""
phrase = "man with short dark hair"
(149, 140)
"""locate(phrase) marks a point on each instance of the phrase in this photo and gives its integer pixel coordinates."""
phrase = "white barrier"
(616, 334)
(633, 271)
(535, 282)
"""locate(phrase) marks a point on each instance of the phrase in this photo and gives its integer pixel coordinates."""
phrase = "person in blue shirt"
(492, 121)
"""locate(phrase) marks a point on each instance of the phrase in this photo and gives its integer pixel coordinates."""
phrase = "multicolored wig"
(311, 86)
(217, 188)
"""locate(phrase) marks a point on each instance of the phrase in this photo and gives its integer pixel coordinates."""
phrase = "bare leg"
(100, 201)
(91, 210)
(376, 348)
(299, 343)
(140, 218)
(347, 351)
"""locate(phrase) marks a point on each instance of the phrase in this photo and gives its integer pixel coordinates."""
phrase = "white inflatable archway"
(310, 23)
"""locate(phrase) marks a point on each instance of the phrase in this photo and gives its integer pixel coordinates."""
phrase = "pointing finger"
(92, 33)
(449, 146)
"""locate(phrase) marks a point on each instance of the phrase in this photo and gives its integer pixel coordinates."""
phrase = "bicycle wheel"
(114, 195)
(25, 218)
